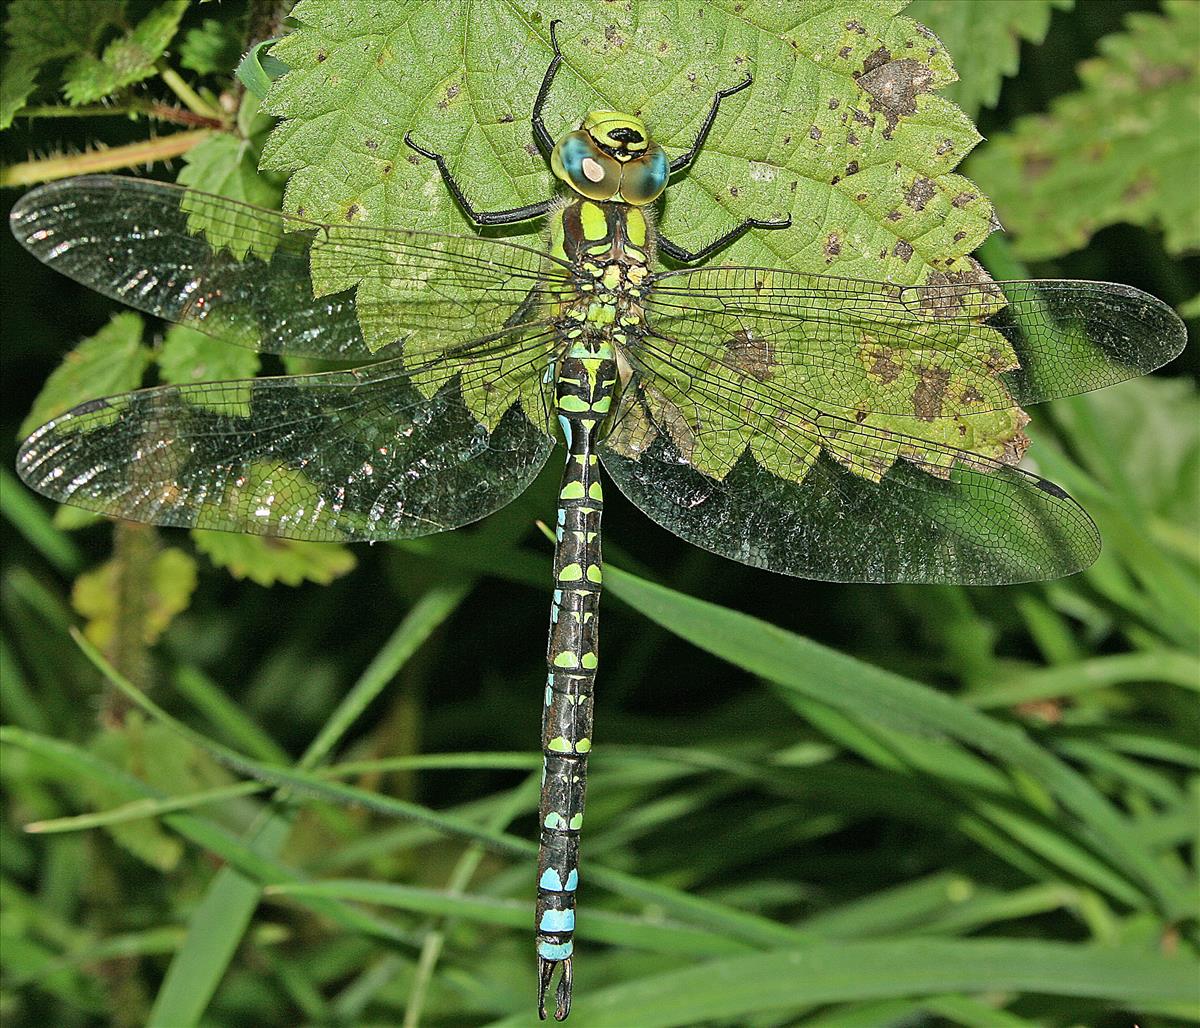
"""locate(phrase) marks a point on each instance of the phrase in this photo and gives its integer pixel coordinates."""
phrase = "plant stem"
(47, 169)
(190, 99)
(132, 109)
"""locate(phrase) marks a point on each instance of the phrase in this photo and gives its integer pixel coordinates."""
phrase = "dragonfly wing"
(730, 464)
(368, 454)
(957, 350)
(273, 282)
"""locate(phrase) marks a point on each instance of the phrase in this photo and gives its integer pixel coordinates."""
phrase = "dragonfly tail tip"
(562, 995)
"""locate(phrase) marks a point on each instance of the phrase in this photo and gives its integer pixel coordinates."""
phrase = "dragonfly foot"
(562, 995)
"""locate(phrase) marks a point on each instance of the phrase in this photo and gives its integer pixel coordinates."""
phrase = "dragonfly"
(810, 425)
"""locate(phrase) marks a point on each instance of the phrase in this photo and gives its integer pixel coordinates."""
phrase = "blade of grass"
(139, 809)
(220, 920)
(873, 696)
(74, 761)
(27, 516)
(654, 935)
(751, 928)
(1169, 666)
(734, 988)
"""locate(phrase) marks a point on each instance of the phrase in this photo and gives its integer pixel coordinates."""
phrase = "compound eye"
(585, 167)
(645, 178)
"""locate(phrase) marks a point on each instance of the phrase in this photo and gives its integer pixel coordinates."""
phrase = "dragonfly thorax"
(607, 246)
(611, 157)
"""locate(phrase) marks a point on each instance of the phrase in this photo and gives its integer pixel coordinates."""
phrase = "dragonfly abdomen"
(585, 382)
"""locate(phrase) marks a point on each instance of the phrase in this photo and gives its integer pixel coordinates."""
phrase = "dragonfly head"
(611, 157)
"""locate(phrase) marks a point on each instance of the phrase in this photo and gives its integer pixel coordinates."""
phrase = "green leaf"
(96, 596)
(41, 31)
(227, 164)
(128, 59)
(985, 41)
(863, 160)
(213, 48)
(18, 80)
(111, 361)
(189, 356)
(125, 747)
(866, 141)
(1121, 149)
(258, 69)
(270, 561)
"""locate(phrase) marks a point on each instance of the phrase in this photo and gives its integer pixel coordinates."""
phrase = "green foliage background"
(303, 791)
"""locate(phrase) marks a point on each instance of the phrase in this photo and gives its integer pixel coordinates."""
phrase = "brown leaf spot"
(506, 119)
(894, 85)
(852, 168)
(920, 193)
(877, 58)
(845, 52)
(856, 26)
(834, 103)
(885, 367)
(903, 250)
(930, 391)
(322, 56)
(946, 293)
(750, 355)
(894, 215)
(352, 212)
(371, 144)
(944, 147)
(833, 247)
(814, 133)
(962, 199)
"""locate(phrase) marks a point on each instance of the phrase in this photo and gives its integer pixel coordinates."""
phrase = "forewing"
(354, 455)
(277, 283)
(730, 463)
(949, 350)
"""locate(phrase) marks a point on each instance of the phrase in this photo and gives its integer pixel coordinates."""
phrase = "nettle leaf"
(985, 41)
(154, 753)
(189, 356)
(270, 561)
(842, 130)
(1121, 149)
(212, 48)
(227, 165)
(96, 596)
(129, 58)
(40, 31)
(111, 361)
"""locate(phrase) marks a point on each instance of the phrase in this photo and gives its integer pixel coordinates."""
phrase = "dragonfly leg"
(677, 252)
(543, 138)
(508, 217)
(686, 158)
